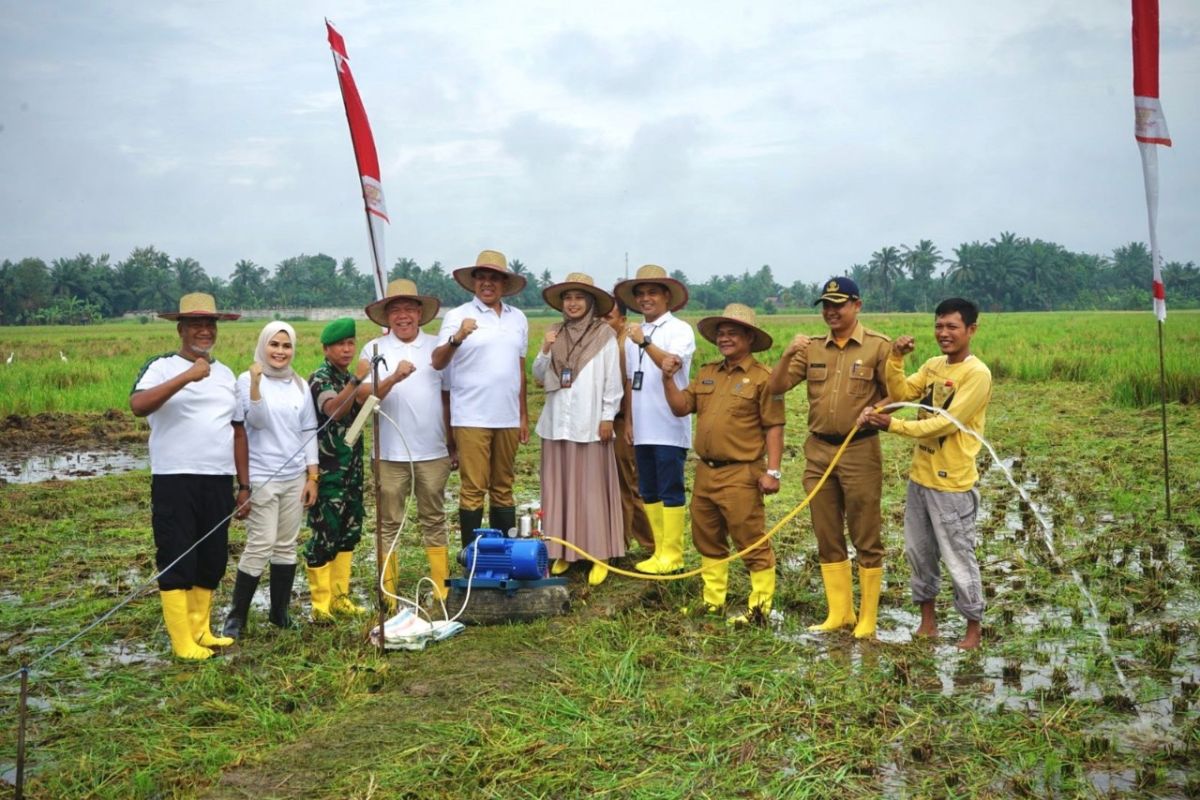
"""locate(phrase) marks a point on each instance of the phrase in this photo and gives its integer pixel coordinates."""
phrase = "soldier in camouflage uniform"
(336, 517)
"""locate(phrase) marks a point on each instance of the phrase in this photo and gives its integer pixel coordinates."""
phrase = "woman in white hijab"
(280, 427)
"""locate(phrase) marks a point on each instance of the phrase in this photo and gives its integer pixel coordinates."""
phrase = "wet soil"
(113, 429)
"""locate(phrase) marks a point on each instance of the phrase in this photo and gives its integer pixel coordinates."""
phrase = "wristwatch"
(454, 343)
(776, 474)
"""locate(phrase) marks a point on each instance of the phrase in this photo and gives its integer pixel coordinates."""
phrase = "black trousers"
(183, 509)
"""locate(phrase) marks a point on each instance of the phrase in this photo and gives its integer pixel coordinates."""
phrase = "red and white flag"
(1150, 128)
(364, 155)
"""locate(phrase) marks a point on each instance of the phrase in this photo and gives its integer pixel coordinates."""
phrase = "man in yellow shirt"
(939, 514)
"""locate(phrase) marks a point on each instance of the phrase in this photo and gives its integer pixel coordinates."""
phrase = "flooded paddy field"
(1087, 683)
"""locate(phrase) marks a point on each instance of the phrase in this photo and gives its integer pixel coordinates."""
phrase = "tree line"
(1006, 273)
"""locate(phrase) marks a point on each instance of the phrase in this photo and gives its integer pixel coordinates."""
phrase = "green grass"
(1117, 349)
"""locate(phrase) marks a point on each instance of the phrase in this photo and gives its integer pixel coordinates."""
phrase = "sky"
(709, 137)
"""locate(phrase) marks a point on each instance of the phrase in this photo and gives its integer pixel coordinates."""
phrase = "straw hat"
(652, 273)
(197, 305)
(582, 282)
(495, 261)
(402, 289)
(740, 315)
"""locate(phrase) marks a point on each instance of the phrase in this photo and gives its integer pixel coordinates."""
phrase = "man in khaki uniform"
(845, 374)
(738, 420)
(637, 524)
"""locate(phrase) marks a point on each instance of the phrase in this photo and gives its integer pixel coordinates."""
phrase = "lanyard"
(642, 350)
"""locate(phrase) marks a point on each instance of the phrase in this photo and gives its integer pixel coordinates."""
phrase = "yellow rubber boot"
(715, 574)
(179, 626)
(559, 566)
(318, 586)
(598, 573)
(870, 580)
(439, 569)
(391, 583)
(200, 618)
(654, 513)
(340, 585)
(762, 591)
(668, 551)
(839, 596)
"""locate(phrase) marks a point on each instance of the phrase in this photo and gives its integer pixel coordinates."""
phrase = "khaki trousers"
(273, 525)
(637, 524)
(487, 464)
(727, 504)
(848, 500)
(395, 483)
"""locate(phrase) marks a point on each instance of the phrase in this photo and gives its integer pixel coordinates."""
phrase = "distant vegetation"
(1008, 273)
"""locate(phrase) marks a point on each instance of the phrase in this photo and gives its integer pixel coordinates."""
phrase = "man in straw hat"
(336, 517)
(738, 420)
(483, 341)
(197, 445)
(845, 374)
(416, 452)
(660, 439)
(580, 368)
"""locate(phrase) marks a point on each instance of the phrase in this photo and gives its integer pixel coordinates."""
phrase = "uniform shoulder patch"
(877, 334)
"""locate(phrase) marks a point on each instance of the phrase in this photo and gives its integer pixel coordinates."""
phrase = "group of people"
(615, 432)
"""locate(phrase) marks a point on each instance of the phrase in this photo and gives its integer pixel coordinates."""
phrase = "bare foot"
(973, 637)
(928, 627)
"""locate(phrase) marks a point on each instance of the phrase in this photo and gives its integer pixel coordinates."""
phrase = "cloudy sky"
(711, 137)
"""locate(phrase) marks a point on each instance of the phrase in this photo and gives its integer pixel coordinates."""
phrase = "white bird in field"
(10, 358)
(62, 357)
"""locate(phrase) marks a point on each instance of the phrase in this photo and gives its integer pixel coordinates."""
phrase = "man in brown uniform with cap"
(737, 420)
(845, 374)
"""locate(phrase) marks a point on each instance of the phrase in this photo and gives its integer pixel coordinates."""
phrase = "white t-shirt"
(280, 428)
(575, 414)
(414, 404)
(653, 420)
(192, 433)
(485, 371)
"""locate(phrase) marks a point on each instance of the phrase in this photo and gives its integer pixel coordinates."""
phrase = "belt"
(838, 438)
(715, 464)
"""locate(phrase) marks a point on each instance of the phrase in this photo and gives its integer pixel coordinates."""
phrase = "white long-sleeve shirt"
(280, 428)
(575, 414)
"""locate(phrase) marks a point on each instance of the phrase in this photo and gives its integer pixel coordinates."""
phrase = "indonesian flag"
(1150, 127)
(364, 155)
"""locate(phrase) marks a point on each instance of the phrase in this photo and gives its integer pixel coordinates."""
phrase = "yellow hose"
(765, 537)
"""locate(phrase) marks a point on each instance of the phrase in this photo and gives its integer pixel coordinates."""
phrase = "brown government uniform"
(637, 524)
(733, 411)
(841, 383)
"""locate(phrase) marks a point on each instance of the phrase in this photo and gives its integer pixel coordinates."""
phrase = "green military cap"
(337, 330)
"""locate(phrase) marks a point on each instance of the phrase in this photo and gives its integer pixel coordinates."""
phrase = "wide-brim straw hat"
(739, 315)
(496, 262)
(402, 289)
(582, 282)
(197, 305)
(652, 273)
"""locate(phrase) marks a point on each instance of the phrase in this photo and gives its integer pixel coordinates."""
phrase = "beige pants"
(273, 525)
(727, 504)
(395, 483)
(637, 525)
(487, 464)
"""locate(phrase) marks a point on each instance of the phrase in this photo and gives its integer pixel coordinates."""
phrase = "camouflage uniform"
(336, 518)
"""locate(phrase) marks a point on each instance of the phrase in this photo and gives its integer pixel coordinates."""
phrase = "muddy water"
(18, 467)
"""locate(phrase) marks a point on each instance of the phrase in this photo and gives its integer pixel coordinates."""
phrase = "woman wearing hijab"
(579, 366)
(280, 428)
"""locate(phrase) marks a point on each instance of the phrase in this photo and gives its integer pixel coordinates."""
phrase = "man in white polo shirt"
(483, 341)
(197, 445)
(415, 451)
(660, 439)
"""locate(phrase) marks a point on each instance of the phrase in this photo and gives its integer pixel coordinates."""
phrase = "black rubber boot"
(244, 588)
(503, 519)
(283, 576)
(468, 521)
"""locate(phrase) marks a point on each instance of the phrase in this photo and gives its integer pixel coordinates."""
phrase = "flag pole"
(1162, 395)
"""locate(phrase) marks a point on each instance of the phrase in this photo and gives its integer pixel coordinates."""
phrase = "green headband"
(337, 330)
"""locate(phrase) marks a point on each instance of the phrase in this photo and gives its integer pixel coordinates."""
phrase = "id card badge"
(564, 379)
(636, 383)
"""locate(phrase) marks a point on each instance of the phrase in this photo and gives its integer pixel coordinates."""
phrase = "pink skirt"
(581, 499)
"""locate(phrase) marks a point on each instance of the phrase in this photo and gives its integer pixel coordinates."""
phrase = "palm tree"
(922, 261)
(883, 271)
